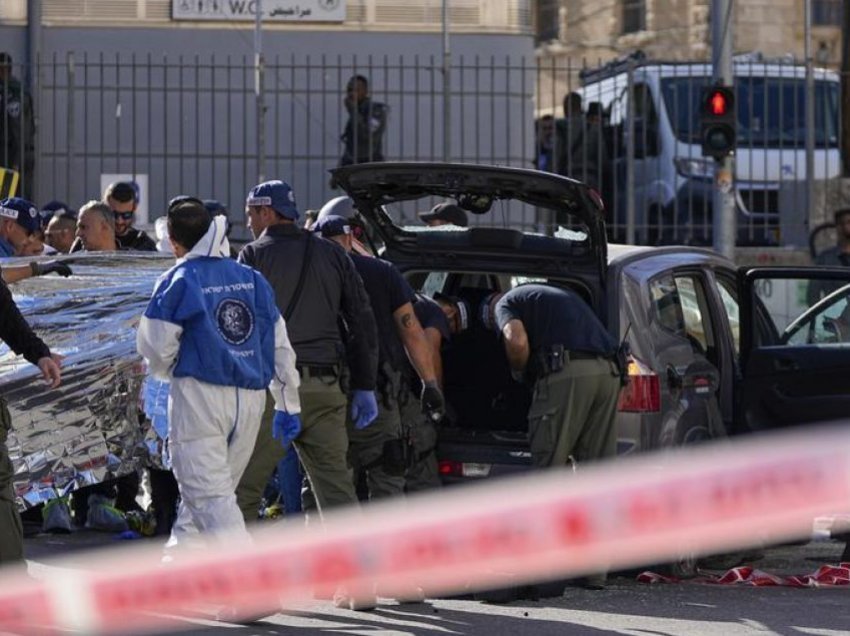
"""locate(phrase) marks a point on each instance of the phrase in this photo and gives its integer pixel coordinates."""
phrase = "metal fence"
(191, 125)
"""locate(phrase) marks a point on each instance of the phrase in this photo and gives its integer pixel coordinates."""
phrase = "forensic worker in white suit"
(213, 329)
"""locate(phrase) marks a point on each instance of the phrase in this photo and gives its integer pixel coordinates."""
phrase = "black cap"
(449, 212)
(332, 225)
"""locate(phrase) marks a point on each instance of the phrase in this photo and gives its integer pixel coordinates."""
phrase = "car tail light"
(460, 469)
(450, 469)
(642, 394)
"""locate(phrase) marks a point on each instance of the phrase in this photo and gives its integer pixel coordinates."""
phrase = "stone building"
(575, 33)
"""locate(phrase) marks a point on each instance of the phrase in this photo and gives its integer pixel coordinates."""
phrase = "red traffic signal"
(717, 103)
(718, 122)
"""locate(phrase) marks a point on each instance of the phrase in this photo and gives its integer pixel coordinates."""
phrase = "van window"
(770, 110)
(643, 104)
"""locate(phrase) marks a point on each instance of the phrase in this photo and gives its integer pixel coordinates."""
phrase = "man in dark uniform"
(379, 450)
(553, 339)
(16, 333)
(837, 256)
(422, 470)
(367, 119)
(315, 284)
(17, 126)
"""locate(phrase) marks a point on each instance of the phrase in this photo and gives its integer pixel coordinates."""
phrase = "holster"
(621, 360)
(546, 361)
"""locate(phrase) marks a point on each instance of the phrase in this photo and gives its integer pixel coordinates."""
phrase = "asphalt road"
(625, 607)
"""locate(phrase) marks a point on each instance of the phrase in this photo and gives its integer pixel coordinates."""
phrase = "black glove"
(433, 404)
(41, 269)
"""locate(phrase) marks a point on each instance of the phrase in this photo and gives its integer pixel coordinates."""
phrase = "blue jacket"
(228, 315)
(216, 321)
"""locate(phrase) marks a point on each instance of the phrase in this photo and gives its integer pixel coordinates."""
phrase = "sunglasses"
(124, 216)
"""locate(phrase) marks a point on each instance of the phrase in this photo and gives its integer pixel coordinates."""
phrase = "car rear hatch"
(488, 439)
(577, 239)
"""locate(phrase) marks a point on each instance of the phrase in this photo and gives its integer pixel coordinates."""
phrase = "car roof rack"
(614, 67)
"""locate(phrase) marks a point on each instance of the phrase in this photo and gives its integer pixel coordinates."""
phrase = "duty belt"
(317, 370)
(548, 360)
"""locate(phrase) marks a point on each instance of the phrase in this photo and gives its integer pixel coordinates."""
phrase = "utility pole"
(258, 91)
(447, 86)
(33, 82)
(845, 88)
(809, 114)
(723, 200)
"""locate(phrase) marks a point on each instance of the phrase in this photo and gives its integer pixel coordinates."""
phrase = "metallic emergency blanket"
(90, 428)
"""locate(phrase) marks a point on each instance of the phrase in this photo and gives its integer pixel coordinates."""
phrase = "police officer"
(315, 284)
(17, 126)
(422, 470)
(553, 339)
(367, 120)
(16, 333)
(379, 450)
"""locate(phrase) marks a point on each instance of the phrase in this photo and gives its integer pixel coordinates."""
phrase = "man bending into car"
(555, 343)
(213, 328)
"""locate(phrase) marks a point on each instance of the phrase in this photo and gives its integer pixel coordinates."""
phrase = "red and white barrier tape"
(542, 525)
(826, 575)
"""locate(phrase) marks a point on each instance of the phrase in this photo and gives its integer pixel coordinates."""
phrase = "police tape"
(543, 525)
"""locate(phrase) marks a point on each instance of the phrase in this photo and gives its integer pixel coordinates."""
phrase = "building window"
(634, 16)
(547, 20)
(826, 12)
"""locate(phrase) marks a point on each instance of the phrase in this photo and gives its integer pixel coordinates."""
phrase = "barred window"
(826, 12)
(634, 16)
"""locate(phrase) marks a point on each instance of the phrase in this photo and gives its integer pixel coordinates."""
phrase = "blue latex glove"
(285, 427)
(364, 408)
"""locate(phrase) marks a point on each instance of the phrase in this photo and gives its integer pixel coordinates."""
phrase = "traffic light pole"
(723, 199)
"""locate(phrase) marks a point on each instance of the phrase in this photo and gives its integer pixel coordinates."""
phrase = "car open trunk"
(487, 426)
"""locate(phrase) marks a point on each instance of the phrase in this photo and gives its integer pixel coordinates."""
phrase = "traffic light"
(717, 122)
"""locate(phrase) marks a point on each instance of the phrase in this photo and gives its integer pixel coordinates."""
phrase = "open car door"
(795, 347)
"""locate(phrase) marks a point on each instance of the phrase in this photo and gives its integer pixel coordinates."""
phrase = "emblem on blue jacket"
(234, 320)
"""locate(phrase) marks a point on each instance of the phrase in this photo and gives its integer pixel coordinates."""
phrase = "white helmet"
(339, 206)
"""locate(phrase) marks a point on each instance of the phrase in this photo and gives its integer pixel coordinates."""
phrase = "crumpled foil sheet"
(91, 428)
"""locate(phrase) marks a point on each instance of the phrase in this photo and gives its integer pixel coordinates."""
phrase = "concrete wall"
(179, 105)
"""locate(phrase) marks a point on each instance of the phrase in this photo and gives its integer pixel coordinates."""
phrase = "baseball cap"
(331, 226)
(56, 208)
(448, 212)
(277, 195)
(463, 308)
(22, 211)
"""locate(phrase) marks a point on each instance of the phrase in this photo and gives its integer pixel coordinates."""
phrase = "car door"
(795, 347)
(686, 338)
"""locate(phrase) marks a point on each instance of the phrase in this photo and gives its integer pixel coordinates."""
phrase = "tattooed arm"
(414, 341)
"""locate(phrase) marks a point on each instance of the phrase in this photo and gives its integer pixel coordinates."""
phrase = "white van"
(673, 181)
